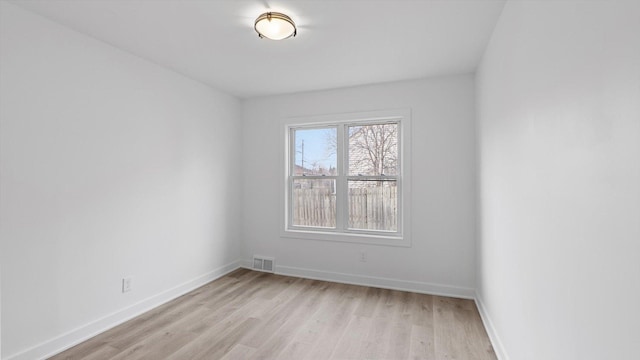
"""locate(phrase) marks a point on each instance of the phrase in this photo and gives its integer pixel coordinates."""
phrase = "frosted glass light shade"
(275, 26)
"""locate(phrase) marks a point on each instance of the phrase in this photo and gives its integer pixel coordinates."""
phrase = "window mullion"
(399, 176)
(341, 183)
(290, 173)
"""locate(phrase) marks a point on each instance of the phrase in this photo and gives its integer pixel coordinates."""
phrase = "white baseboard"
(85, 332)
(379, 282)
(491, 330)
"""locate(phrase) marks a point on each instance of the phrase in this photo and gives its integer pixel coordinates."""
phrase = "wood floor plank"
(165, 340)
(307, 335)
(446, 333)
(378, 335)
(350, 344)
(88, 350)
(338, 319)
(399, 340)
(223, 345)
(239, 352)
(421, 310)
(214, 332)
(370, 302)
(421, 344)
(254, 315)
(156, 346)
(281, 325)
(454, 338)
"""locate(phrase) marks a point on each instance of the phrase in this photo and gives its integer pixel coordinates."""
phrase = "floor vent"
(263, 263)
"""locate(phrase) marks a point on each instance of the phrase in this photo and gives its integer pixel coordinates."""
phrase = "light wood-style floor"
(254, 315)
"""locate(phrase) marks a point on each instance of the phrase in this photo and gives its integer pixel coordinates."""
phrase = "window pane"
(373, 205)
(315, 151)
(373, 149)
(314, 202)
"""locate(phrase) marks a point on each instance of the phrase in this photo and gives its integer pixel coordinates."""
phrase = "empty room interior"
(383, 179)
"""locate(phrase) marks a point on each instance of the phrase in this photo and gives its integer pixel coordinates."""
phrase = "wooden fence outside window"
(370, 208)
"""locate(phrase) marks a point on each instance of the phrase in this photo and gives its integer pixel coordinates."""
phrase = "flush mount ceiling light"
(275, 26)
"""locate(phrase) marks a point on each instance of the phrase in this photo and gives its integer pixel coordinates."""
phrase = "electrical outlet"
(126, 284)
(363, 256)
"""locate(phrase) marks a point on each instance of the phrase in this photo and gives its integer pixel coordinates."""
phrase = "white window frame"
(402, 237)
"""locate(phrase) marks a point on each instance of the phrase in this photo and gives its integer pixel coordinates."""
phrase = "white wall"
(110, 166)
(442, 258)
(559, 130)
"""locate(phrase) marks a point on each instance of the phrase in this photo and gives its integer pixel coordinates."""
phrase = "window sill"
(368, 239)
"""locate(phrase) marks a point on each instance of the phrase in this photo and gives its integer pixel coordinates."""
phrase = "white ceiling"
(339, 43)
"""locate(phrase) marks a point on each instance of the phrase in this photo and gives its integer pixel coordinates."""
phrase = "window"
(346, 178)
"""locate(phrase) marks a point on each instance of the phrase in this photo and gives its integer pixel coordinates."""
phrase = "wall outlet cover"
(126, 284)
